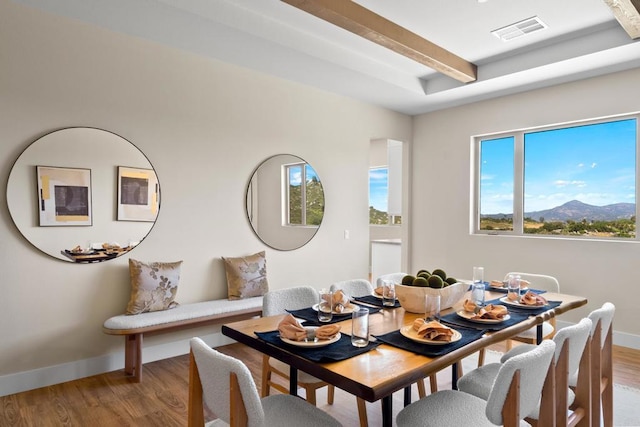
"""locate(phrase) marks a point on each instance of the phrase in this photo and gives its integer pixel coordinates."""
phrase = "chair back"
(279, 301)
(577, 335)
(517, 388)
(603, 316)
(214, 371)
(395, 277)
(353, 287)
(538, 281)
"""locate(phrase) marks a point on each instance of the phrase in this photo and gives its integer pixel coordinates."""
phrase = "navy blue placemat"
(488, 287)
(311, 316)
(339, 350)
(373, 300)
(455, 320)
(396, 339)
(528, 311)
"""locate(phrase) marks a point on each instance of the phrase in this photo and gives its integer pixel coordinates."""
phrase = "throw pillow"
(153, 286)
(246, 276)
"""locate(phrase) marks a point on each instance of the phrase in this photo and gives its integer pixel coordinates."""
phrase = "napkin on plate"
(340, 301)
(469, 306)
(289, 328)
(433, 330)
(531, 298)
(491, 311)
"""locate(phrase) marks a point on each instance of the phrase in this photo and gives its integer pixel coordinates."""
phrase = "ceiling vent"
(519, 29)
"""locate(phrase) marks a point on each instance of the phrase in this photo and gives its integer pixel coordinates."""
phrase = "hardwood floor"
(161, 399)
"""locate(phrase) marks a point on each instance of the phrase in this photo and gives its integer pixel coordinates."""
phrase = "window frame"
(303, 195)
(519, 174)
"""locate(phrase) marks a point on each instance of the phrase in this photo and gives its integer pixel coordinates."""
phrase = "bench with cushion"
(133, 327)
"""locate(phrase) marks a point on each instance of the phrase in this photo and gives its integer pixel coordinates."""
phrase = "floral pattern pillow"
(246, 276)
(153, 286)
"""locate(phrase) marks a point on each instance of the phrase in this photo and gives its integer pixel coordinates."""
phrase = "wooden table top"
(386, 369)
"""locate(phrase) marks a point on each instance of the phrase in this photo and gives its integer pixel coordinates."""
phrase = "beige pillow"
(153, 286)
(246, 276)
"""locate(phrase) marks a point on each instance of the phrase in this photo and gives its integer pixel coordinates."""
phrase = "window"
(577, 180)
(305, 196)
(379, 198)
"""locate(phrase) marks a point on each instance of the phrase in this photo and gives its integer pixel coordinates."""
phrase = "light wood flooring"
(161, 399)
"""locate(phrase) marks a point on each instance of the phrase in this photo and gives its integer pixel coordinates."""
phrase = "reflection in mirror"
(83, 195)
(285, 202)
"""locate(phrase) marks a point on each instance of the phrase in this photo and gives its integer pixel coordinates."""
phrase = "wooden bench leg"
(133, 356)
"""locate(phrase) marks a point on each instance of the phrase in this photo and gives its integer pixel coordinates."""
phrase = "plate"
(412, 334)
(380, 296)
(319, 343)
(517, 304)
(469, 317)
(347, 310)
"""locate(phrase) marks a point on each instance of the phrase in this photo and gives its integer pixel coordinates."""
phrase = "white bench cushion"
(182, 312)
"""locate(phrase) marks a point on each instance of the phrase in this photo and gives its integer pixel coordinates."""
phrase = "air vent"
(519, 29)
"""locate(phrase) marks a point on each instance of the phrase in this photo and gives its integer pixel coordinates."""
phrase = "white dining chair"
(571, 343)
(395, 277)
(353, 287)
(226, 386)
(514, 394)
(278, 302)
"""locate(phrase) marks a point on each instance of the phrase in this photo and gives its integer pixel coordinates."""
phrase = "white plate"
(318, 343)
(517, 304)
(347, 310)
(380, 296)
(469, 317)
(412, 334)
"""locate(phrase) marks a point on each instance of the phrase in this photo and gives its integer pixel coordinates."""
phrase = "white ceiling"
(583, 39)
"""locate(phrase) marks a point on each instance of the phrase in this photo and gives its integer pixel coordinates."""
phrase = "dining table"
(387, 365)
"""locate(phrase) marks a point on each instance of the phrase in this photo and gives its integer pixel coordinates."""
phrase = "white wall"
(204, 126)
(602, 271)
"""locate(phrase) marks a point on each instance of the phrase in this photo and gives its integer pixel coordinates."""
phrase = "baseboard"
(622, 339)
(43, 377)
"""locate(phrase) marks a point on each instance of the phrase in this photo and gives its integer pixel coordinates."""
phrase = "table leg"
(293, 381)
(407, 396)
(539, 333)
(454, 376)
(387, 411)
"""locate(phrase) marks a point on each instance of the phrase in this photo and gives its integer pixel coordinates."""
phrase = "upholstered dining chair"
(601, 365)
(395, 277)
(278, 302)
(353, 287)
(514, 394)
(226, 386)
(571, 346)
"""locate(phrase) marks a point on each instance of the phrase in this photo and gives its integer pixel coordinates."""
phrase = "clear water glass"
(360, 327)
(325, 306)
(388, 293)
(477, 294)
(431, 307)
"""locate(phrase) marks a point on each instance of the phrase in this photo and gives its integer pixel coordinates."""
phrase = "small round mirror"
(285, 202)
(83, 195)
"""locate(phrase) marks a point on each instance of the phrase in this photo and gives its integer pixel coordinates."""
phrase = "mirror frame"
(265, 204)
(109, 158)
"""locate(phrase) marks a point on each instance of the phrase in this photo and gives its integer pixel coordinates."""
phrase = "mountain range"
(576, 210)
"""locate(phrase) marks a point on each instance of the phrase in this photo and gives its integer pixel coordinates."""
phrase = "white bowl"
(412, 297)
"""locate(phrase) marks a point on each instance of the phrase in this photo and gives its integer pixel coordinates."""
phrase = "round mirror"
(83, 195)
(285, 202)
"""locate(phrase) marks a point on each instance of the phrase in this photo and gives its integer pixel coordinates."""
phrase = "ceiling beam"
(627, 12)
(352, 17)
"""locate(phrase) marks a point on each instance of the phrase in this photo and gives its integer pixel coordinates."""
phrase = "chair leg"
(421, 390)
(331, 391)
(310, 394)
(481, 358)
(266, 377)
(433, 383)
(508, 345)
(362, 412)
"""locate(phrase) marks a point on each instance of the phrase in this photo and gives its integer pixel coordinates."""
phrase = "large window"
(577, 180)
(379, 198)
(305, 197)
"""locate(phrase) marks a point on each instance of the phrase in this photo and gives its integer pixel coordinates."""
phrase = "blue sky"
(594, 164)
(295, 174)
(378, 183)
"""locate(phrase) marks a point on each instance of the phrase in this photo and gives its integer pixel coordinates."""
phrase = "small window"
(379, 198)
(305, 196)
(576, 180)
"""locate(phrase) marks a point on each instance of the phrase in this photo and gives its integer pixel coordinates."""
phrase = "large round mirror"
(83, 195)
(285, 202)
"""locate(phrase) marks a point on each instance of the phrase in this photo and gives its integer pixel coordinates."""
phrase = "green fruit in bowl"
(440, 273)
(451, 280)
(423, 271)
(408, 280)
(421, 282)
(435, 282)
(424, 274)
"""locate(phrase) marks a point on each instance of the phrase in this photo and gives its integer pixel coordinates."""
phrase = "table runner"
(454, 319)
(373, 300)
(311, 316)
(529, 311)
(396, 339)
(339, 350)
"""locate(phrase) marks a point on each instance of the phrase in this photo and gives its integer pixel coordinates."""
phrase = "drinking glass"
(477, 293)
(360, 327)
(513, 288)
(325, 306)
(478, 274)
(388, 293)
(431, 307)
